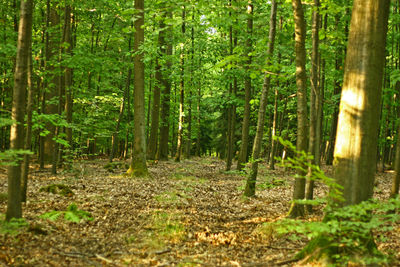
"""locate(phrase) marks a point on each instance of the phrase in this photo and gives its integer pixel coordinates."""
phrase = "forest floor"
(187, 214)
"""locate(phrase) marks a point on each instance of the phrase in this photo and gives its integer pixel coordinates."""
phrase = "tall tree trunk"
(247, 92)
(52, 54)
(182, 96)
(356, 142)
(162, 153)
(14, 209)
(315, 129)
(250, 189)
(296, 209)
(114, 139)
(28, 133)
(232, 107)
(155, 111)
(68, 75)
(138, 165)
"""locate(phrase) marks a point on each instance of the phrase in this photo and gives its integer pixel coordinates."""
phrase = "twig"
(103, 259)
(285, 248)
(162, 251)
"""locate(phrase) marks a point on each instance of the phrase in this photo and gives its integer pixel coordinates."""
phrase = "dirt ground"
(187, 214)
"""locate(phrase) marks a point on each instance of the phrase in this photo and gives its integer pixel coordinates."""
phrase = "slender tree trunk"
(182, 96)
(250, 189)
(114, 140)
(155, 111)
(356, 142)
(68, 75)
(28, 134)
(166, 102)
(315, 131)
(247, 92)
(232, 107)
(52, 87)
(138, 165)
(297, 210)
(274, 128)
(14, 209)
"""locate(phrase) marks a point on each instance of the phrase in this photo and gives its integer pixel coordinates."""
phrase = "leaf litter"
(187, 214)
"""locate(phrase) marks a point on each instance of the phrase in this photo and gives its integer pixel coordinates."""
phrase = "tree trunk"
(166, 102)
(138, 165)
(182, 97)
(297, 210)
(14, 209)
(155, 111)
(315, 103)
(28, 134)
(356, 141)
(52, 54)
(114, 140)
(250, 189)
(247, 92)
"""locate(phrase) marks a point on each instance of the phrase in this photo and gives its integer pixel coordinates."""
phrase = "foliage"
(72, 214)
(12, 227)
(345, 233)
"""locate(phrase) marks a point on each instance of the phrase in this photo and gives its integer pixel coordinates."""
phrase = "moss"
(59, 189)
(137, 169)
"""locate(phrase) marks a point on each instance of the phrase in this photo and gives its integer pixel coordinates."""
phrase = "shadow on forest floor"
(188, 214)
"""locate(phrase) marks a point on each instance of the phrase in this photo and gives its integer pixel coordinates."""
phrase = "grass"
(165, 228)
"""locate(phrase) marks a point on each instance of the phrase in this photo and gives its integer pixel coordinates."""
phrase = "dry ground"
(188, 214)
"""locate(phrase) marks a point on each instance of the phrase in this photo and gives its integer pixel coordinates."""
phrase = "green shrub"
(346, 233)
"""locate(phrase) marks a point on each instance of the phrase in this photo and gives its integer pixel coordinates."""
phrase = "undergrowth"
(346, 234)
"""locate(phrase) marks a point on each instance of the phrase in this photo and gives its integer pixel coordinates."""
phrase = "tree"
(356, 141)
(247, 91)
(14, 209)
(138, 165)
(296, 209)
(251, 180)
(179, 142)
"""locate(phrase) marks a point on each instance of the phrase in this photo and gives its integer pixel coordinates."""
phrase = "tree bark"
(155, 111)
(356, 141)
(242, 159)
(138, 165)
(315, 103)
(182, 96)
(297, 210)
(14, 209)
(250, 189)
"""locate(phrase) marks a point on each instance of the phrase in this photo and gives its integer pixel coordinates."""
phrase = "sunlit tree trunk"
(250, 189)
(14, 209)
(356, 141)
(138, 165)
(182, 96)
(247, 92)
(297, 210)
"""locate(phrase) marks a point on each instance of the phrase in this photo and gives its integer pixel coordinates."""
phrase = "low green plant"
(12, 227)
(346, 233)
(72, 214)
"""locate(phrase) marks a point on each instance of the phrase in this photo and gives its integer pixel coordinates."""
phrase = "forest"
(200, 133)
